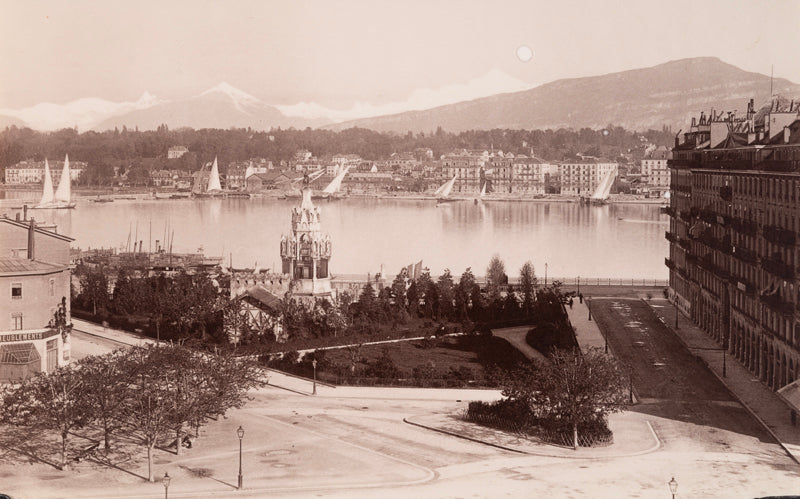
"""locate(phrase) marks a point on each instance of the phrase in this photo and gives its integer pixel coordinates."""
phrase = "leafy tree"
(54, 401)
(527, 285)
(495, 277)
(104, 390)
(467, 295)
(575, 389)
(94, 289)
(444, 287)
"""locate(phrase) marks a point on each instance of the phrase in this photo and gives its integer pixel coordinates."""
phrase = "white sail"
(47, 192)
(336, 183)
(213, 179)
(483, 190)
(63, 191)
(604, 187)
(444, 190)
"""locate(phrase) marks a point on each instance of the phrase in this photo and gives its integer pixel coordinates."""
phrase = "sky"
(342, 54)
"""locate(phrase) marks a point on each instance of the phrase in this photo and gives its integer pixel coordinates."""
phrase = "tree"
(94, 288)
(495, 278)
(463, 294)
(575, 389)
(104, 390)
(444, 287)
(54, 401)
(527, 285)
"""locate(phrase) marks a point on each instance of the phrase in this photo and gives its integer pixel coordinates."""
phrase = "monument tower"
(306, 251)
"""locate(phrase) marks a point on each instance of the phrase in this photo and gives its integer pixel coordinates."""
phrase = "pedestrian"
(570, 303)
(580, 297)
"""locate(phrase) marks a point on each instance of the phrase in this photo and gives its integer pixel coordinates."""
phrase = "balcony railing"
(779, 235)
(779, 268)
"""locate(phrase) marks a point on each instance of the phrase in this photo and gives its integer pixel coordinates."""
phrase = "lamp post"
(579, 285)
(589, 306)
(314, 365)
(166, 481)
(676, 311)
(673, 487)
(240, 433)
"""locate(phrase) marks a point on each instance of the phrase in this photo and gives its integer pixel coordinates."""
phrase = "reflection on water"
(621, 240)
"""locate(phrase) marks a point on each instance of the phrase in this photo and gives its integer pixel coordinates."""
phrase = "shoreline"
(147, 195)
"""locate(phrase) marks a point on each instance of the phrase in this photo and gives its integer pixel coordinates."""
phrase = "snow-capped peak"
(84, 113)
(238, 97)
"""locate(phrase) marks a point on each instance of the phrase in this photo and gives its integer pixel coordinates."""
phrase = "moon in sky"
(524, 53)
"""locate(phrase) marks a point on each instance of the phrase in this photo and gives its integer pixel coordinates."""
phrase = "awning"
(19, 353)
(791, 395)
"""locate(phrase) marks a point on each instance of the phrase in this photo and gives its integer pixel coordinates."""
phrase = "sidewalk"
(755, 396)
(123, 337)
(586, 331)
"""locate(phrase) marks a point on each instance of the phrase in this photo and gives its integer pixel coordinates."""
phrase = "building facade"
(582, 176)
(734, 223)
(176, 152)
(655, 172)
(34, 299)
(32, 172)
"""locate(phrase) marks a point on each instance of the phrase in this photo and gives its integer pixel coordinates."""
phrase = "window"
(16, 290)
(16, 321)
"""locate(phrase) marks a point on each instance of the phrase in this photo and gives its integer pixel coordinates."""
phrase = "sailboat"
(214, 188)
(61, 198)
(482, 193)
(329, 192)
(600, 195)
(443, 191)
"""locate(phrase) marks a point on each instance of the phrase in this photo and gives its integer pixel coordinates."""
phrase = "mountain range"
(666, 94)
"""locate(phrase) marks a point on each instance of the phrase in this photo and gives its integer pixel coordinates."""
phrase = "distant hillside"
(640, 99)
(10, 120)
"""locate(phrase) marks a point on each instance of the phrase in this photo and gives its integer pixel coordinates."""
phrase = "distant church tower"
(305, 253)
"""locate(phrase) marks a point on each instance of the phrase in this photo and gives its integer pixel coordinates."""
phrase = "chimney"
(17, 216)
(25, 212)
(786, 134)
(32, 240)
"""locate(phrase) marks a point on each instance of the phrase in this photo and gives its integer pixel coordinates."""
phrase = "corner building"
(734, 222)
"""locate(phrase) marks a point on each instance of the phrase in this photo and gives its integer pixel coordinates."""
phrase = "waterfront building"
(306, 251)
(35, 284)
(531, 175)
(580, 177)
(655, 174)
(467, 167)
(32, 172)
(176, 152)
(734, 222)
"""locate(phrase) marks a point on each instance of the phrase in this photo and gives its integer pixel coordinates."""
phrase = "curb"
(458, 435)
(544, 454)
(728, 388)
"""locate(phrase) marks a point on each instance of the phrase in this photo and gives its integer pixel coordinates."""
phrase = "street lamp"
(589, 306)
(240, 433)
(579, 285)
(676, 311)
(166, 481)
(673, 487)
(314, 365)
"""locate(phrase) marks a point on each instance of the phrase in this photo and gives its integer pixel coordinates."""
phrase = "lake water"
(616, 241)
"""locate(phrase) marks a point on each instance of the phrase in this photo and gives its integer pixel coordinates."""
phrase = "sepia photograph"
(392, 249)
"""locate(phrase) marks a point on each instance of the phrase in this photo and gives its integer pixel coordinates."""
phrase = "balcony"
(778, 268)
(671, 237)
(779, 235)
(745, 254)
(742, 226)
(776, 303)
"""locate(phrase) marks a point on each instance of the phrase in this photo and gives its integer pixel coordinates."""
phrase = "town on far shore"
(607, 165)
